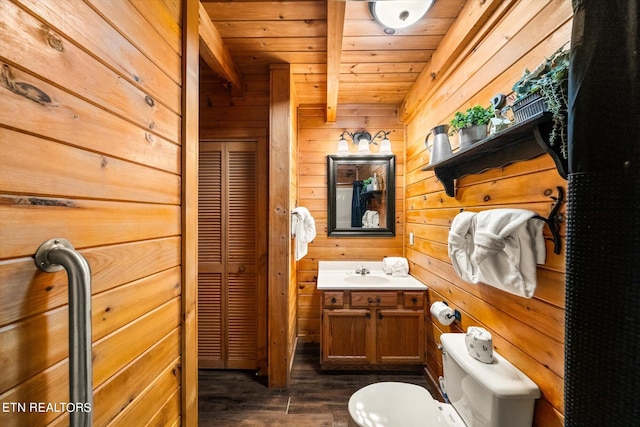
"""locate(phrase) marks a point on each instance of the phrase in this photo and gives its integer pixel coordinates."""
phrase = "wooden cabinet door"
(400, 336)
(346, 336)
(227, 260)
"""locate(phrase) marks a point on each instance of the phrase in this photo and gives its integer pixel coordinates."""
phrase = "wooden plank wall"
(528, 332)
(316, 140)
(90, 135)
(224, 116)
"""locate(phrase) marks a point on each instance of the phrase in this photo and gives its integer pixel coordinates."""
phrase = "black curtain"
(602, 360)
(357, 205)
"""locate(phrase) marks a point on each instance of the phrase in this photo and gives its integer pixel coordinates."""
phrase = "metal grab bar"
(55, 255)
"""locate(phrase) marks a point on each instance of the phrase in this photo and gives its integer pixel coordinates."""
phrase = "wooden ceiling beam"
(335, 30)
(216, 54)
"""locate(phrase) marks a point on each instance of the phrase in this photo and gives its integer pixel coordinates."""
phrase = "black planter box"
(528, 107)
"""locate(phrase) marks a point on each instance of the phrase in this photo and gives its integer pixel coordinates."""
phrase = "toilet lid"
(393, 404)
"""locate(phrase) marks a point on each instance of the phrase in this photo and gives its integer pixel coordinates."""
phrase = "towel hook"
(554, 219)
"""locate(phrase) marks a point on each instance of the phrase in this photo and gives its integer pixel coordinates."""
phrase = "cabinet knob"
(378, 300)
(414, 300)
(380, 316)
(333, 300)
(367, 316)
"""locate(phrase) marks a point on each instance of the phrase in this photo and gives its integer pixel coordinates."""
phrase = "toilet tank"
(486, 395)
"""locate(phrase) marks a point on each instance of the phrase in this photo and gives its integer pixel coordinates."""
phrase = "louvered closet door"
(227, 289)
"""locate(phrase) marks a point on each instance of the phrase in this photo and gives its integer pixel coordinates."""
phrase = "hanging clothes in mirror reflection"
(357, 204)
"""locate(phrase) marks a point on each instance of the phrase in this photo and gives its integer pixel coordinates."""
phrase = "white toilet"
(481, 395)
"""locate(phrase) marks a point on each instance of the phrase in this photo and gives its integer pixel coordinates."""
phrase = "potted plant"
(472, 124)
(546, 89)
(366, 185)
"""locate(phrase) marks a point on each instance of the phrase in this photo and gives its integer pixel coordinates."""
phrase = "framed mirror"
(361, 195)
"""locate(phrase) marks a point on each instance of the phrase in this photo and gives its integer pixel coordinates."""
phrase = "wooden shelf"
(372, 193)
(522, 141)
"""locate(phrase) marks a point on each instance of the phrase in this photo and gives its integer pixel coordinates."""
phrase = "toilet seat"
(395, 404)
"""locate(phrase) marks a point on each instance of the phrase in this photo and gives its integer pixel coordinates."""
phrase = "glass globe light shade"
(363, 146)
(343, 147)
(398, 14)
(385, 146)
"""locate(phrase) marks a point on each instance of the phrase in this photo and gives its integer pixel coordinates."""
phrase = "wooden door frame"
(279, 262)
(190, 141)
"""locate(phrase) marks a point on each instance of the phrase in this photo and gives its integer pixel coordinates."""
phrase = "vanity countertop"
(340, 275)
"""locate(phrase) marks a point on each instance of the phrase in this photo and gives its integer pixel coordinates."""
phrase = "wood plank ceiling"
(339, 55)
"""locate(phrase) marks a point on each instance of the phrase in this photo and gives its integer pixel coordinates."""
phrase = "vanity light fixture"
(343, 146)
(396, 14)
(385, 144)
(364, 139)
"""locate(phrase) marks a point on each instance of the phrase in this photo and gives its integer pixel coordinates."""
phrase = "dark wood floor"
(314, 398)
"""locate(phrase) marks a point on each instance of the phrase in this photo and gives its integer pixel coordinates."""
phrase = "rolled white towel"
(386, 265)
(303, 228)
(479, 344)
(371, 219)
(396, 266)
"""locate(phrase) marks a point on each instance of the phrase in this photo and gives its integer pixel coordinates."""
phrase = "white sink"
(341, 275)
(369, 279)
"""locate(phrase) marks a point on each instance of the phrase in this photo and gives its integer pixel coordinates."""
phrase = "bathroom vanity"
(370, 320)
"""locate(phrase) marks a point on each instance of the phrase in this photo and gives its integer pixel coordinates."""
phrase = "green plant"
(476, 115)
(551, 80)
(365, 182)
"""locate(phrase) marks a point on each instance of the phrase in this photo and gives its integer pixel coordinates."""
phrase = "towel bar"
(554, 219)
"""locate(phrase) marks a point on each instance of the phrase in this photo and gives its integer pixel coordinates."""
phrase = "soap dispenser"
(375, 186)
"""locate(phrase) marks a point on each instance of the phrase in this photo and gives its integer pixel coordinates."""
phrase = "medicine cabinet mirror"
(357, 205)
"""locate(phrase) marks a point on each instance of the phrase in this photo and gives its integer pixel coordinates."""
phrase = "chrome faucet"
(362, 270)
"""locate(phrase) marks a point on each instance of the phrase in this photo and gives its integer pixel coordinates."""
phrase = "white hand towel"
(508, 244)
(499, 247)
(461, 246)
(479, 344)
(495, 227)
(365, 219)
(303, 227)
(396, 266)
(386, 265)
(370, 219)
(374, 219)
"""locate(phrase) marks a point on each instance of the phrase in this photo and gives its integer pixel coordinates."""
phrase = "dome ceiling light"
(396, 14)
